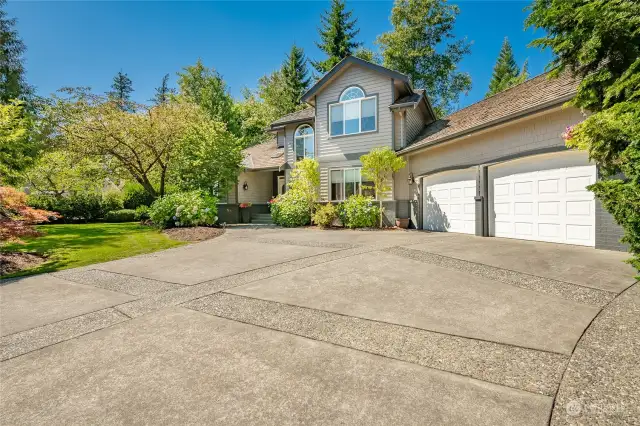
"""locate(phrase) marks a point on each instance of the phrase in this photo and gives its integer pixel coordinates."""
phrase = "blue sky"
(85, 43)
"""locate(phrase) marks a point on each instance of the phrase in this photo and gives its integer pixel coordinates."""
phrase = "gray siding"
(372, 83)
(414, 124)
(608, 232)
(397, 144)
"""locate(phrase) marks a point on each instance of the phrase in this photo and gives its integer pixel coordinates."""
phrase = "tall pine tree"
(295, 74)
(505, 72)
(12, 81)
(337, 35)
(121, 90)
(163, 92)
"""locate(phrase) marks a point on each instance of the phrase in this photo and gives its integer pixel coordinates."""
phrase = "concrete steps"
(261, 219)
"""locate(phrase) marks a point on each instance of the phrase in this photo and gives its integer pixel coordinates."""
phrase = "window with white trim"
(355, 113)
(347, 182)
(303, 143)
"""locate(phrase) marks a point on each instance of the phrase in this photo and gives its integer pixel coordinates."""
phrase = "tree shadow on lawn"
(65, 244)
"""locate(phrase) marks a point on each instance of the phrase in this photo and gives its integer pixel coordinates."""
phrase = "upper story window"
(303, 142)
(355, 113)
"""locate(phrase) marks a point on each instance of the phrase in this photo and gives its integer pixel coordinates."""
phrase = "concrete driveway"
(275, 326)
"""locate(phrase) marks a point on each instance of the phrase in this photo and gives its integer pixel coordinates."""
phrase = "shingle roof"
(266, 155)
(530, 96)
(302, 115)
(409, 99)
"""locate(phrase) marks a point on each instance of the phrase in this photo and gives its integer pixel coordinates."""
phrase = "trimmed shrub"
(83, 207)
(359, 211)
(111, 200)
(117, 216)
(325, 215)
(183, 209)
(142, 212)
(290, 209)
(135, 196)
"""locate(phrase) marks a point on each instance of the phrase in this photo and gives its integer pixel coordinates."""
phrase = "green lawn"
(70, 246)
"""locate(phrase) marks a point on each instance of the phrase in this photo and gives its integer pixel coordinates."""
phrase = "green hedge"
(123, 215)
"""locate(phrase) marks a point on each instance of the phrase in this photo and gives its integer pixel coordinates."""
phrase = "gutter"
(501, 120)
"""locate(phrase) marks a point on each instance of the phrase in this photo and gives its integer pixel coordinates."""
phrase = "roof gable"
(351, 60)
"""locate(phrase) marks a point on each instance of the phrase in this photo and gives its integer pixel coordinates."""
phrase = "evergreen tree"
(422, 45)
(337, 36)
(121, 90)
(505, 72)
(12, 82)
(163, 92)
(295, 74)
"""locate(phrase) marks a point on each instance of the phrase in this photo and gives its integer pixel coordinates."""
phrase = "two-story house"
(496, 168)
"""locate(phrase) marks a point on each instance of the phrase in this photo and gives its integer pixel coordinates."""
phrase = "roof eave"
(281, 124)
(502, 120)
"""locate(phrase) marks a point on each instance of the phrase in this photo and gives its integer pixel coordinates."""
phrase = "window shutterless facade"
(354, 113)
(303, 142)
(347, 182)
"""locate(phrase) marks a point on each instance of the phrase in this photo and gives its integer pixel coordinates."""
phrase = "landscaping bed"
(196, 233)
(17, 261)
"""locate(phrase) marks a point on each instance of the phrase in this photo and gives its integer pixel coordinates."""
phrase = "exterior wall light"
(411, 179)
(245, 185)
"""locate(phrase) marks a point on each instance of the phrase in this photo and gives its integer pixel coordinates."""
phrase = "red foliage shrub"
(16, 218)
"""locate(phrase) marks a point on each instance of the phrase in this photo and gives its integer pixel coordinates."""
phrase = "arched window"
(351, 93)
(353, 113)
(303, 142)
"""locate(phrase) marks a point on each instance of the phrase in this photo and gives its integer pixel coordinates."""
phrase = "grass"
(73, 245)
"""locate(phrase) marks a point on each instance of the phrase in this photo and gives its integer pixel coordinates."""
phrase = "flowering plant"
(184, 209)
(245, 205)
(568, 133)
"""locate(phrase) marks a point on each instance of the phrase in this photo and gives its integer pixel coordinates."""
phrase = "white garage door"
(547, 204)
(448, 202)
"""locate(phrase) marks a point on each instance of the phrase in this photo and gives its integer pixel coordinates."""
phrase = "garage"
(543, 198)
(448, 201)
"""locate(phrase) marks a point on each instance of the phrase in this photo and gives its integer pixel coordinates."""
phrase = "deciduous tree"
(378, 166)
(423, 45)
(143, 143)
(205, 87)
(305, 181)
(17, 220)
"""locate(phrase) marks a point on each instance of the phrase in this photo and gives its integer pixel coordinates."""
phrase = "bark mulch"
(11, 262)
(197, 233)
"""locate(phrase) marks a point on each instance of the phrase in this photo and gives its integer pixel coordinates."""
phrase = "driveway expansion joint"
(175, 297)
(23, 342)
(520, 368)
(116, 281)
(561, 289)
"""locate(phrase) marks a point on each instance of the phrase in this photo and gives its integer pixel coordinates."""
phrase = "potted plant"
(402, 223)
(245, 212)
